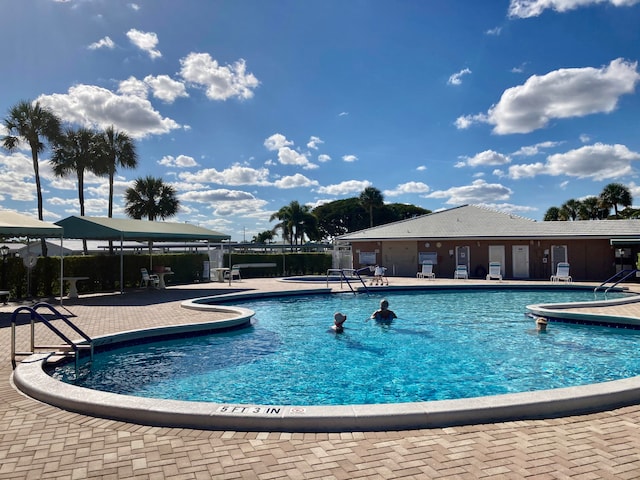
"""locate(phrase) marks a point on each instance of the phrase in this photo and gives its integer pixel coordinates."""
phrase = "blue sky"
(245, 106)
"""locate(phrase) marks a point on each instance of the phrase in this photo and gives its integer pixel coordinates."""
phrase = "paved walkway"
(39, 441)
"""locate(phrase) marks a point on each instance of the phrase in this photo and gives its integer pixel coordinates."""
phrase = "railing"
(623, 274)
(352, 272)
(69, 344)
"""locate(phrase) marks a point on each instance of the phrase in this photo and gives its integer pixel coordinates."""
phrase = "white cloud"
(405, 188)
(288, 156)
(349, 158)
(295, 181)
(531, 150)
(478, 192)
(276, 142)
(494, 31)
(234, 175)
(345, 188)
(314, 142)
(534, 8)
(421, 168)
(134, 6)
(165, 88)
(146, 41)
(133, 86)
(97, 107)
(181, 161)
(322, 158)
(488, 157)
(564, 93)
(226, 202)
(105, 42)
(456, 78)
(220, 81)
(598, 162)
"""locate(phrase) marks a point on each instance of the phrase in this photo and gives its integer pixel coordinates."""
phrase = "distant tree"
(263, 237)
(591, 209)
(615, 194)
(35, 125)
(339, 217)
(371, 198)
(296, 222)
(75, 154)
(150, 197)
(570, 209)
(552, 214)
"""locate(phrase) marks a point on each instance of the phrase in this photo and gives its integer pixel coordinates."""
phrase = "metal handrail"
(629, 272)
(37, 316)
(341, 272)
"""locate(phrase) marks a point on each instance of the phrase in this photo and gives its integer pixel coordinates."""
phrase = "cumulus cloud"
(295, 181)
(165, 88)
(220, 81)
(531, 150)
(286, 154)
(456, 78)
(349, 158)
(105, 42)
(488, 157)
(234, 175)
(145, 41)
(276, 141)
(97, 107)
(314, 142)
(323, 157)
(598, 162)
(226, 202)
(345, 188)
(409, 187)
(534, 8)
(181, 161)
(564, 93)
(478, 192)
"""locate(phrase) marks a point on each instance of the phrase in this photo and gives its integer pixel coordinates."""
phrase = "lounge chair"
(149, 280)
(233, 273)
(461, 272)
(494, 271)
(562, 273)
(427, 271)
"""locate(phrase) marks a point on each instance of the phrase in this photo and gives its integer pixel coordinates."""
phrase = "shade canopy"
(101, 228)
(14, 224)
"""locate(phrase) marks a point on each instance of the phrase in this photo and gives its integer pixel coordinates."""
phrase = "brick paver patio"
(42, 442)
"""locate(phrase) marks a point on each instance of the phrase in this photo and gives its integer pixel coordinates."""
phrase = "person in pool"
(338, 322)
(383, 314)
(541, 324)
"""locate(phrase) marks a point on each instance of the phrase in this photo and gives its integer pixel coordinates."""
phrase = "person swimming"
(338, 322)
(383, 314)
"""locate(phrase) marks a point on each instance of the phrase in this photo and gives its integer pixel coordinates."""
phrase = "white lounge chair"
(233, 273)
(495, 271)
(461, 272)
(427, 271)
(562, 273)
(149, 280)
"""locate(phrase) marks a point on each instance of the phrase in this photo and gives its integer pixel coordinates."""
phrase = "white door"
(496, 254)
(520, 254)
(462, 257)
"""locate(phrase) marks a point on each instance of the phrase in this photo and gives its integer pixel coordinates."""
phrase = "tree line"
(613, 196)
(77, 151)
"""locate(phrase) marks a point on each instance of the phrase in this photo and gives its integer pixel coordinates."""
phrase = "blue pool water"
(444, 345)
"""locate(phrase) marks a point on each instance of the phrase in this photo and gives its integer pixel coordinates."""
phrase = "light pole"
(4, 251)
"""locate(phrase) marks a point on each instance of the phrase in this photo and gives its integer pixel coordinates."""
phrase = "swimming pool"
(448, 344)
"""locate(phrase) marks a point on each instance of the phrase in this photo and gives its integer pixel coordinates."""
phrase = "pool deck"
(40, 441)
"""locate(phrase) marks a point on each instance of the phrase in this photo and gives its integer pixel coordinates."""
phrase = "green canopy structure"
(121, 229)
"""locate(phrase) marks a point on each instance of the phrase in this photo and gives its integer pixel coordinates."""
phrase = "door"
(496, 254)
(520, 254)
(462, 257)
(558, 255)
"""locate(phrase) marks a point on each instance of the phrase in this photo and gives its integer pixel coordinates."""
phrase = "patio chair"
(562, 273)
(461, 272)
(427, 271)
(233, 273)
(494, 271)
(149, 280)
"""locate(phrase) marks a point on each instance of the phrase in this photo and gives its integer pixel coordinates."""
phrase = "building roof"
(471, 221)
(14, 224)
(102, 228)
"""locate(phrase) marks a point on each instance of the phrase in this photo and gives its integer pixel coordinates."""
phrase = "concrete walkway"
(39, 441)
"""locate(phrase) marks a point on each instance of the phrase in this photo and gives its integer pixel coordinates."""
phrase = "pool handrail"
(341, 272)
(628, 272)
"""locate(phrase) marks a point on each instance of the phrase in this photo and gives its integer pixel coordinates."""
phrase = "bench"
(235, 269)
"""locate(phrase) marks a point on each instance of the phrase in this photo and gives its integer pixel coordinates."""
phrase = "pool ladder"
(623, 274)
(342, 273)
(68, 349)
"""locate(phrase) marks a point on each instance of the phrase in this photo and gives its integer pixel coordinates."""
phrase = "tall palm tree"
(615, 194)
(591, 209)
(371, 198)
(296, 221)
(34, 125)
(150, 197)
(570, 209)
(75, 153)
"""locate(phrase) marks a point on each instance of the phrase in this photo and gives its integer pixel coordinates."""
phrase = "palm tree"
(371, 198)
(32, 124)
(615, 194)
(552, 214)
(75, 152)
(150, 197)
(570, 209)
(591, 209)
(263, 237)
(296, 221)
